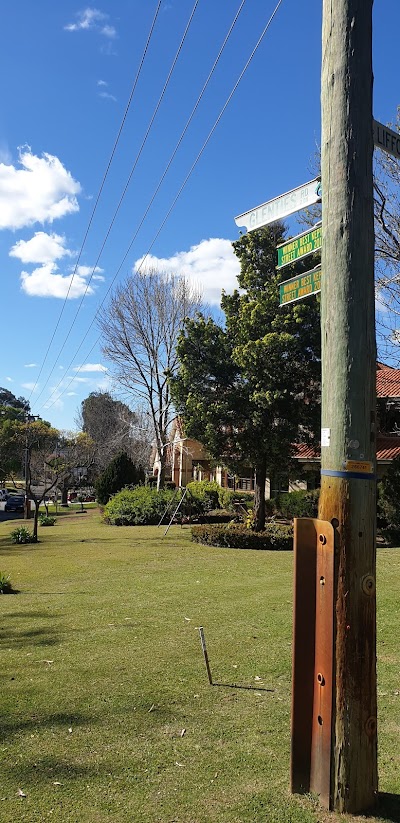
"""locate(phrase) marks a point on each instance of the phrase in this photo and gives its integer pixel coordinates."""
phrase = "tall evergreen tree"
(250, 390)
(120, 472)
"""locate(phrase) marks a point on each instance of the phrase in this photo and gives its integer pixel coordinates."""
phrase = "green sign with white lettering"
(298, 287)
(300, 246)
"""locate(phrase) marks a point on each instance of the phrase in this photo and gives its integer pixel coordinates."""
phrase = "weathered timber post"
(348, 453)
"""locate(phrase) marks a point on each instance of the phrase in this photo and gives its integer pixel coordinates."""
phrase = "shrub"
(119, 473)
(46, 520)
(142, 506)
(275, 537)
(298, 504)
(21, 535)
(388, 506)
(202, 496)
(228, 498)
(5, 584)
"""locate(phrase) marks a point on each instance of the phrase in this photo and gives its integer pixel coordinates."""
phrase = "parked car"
(15, 503)
(3, 495)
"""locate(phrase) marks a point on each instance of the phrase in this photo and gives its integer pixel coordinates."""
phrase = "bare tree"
(387, 250)
(387, 245)
(140, 329)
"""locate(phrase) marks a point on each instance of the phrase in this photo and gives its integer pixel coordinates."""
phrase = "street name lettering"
(301, 246)
(298, 287)
(282, 206)
(386, 139)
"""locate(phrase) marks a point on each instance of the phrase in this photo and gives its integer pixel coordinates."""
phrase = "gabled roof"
(387, 381)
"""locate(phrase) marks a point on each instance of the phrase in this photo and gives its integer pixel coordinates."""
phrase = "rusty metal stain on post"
(320, 776)
(305, 559)
(312, 657)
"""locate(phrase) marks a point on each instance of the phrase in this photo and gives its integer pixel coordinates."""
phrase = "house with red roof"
(188, 460)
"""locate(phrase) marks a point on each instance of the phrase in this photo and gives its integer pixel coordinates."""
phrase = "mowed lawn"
(106, 710)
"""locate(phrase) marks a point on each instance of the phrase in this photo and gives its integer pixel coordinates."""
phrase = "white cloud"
(42, 190)
(85, 271)
(41, 248)
(211, 264)
(46, 281)
(5, 154)
(109, 31)
(102, 83)
(9, 380)
(80, 379)
(107, 96)
(54, 400)
(33, 387)
(90, 367)
(30, 365)
(93, 19)
(71, 394)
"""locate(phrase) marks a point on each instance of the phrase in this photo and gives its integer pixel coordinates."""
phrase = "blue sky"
(67, 74)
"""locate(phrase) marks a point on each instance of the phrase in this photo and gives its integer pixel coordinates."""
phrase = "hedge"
(275, 537)
(201, 496)
(298, 504)
(142, 506)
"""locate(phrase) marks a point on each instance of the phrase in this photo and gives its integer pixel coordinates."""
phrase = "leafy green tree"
(7, 398)
(250, 390)
(12, 409)
(120, 472)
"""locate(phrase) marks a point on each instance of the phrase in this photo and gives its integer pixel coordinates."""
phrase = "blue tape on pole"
(348, 475)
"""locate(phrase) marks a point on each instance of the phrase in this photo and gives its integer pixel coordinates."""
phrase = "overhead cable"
(133, 89)
(259, 41)
(124, 191)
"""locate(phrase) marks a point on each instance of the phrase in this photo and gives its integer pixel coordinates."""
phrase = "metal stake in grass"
(204, 648)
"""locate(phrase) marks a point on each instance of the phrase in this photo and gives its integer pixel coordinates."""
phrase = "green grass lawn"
(107, 714)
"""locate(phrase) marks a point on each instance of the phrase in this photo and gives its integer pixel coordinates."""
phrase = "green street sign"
(298, 287)
(301, 246)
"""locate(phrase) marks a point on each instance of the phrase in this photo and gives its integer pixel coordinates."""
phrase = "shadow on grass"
(17, 637)
(36, 615)
(38, 722)
(247, 688)
(7, 548)
(388, 807)
(50, 768)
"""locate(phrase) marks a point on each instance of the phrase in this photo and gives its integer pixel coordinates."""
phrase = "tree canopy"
(119, 473)
(111, 425)
(7, 398)
(249, 390)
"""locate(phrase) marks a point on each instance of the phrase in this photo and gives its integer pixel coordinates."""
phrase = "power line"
(123, 192)
(211, 132)
(266, 27)
(190, 118)
(133, 89)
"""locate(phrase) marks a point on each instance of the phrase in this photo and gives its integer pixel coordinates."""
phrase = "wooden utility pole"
(348, 453)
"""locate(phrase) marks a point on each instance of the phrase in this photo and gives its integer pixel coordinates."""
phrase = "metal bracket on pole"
(312, 685)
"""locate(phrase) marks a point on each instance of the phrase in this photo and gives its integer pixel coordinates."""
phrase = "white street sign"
(386, 139)
(282, 206)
